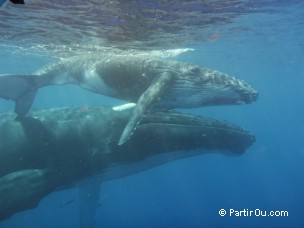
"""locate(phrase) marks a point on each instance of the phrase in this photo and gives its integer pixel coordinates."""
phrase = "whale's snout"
(198, 87)
(246, 94)
(250, 96)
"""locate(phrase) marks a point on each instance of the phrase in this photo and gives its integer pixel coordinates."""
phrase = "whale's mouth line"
(191, 125)
(185, 93)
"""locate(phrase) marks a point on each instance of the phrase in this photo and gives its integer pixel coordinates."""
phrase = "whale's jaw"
(206, 87)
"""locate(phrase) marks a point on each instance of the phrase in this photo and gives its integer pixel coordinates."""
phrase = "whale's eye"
(195, 70)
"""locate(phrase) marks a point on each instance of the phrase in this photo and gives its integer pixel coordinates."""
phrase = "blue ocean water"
(190, 192)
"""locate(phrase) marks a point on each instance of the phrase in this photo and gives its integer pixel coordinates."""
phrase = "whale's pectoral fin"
(124, 107)
(19, 88)
(145, 102)
(89, 197)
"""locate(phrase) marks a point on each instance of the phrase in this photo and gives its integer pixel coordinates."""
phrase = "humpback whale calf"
(57, 148)
(152, 83)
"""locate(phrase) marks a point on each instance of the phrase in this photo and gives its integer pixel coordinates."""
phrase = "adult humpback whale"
(149, 82)
(56, 148)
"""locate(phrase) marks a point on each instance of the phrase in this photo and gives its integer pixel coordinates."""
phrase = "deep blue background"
(190, 192)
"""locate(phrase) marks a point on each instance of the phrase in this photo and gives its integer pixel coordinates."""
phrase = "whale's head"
(196, 86)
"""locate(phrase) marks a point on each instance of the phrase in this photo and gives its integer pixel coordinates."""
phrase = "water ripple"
(69, 25)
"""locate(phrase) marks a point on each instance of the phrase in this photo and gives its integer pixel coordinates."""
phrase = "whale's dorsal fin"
(145, 102)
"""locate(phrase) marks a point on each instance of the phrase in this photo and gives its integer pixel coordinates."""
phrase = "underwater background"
(263, 44)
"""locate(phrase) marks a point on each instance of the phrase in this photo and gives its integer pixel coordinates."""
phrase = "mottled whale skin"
(154, 84)
(55, 149)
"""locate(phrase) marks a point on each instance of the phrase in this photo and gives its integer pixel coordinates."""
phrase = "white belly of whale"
(92, 81)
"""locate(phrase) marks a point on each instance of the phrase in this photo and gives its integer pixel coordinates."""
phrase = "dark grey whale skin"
(54, 149)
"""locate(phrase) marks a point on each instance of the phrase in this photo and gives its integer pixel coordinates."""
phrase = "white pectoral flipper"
(124, 107)
(145, 102)
(19, 88)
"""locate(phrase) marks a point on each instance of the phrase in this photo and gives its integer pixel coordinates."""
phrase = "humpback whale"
(151, 83)
(57, 148)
